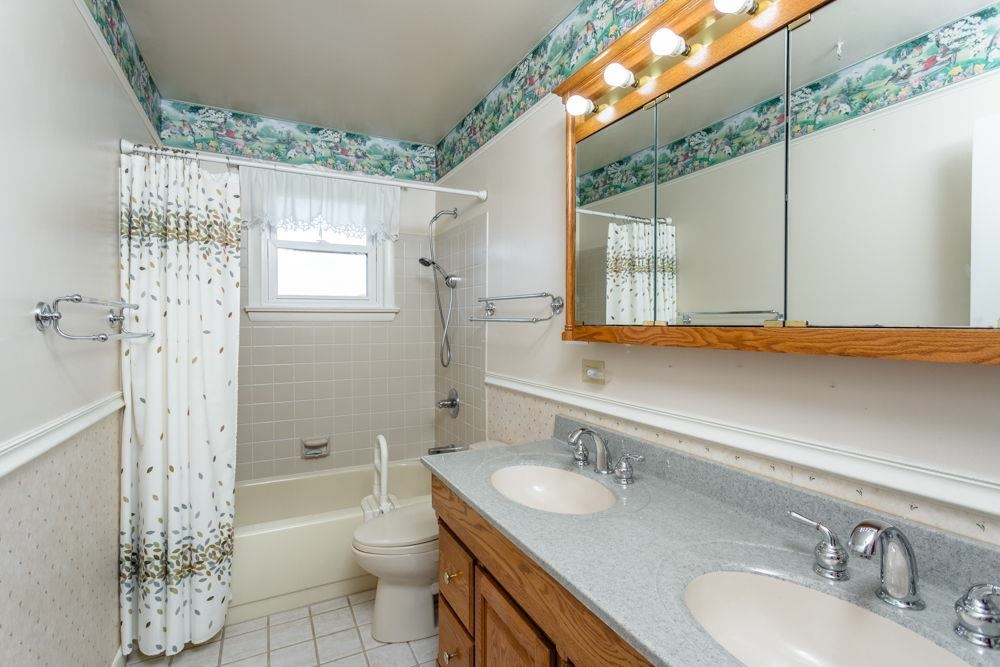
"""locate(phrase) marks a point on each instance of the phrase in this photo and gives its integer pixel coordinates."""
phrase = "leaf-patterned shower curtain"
(641, 275)
(179, 249)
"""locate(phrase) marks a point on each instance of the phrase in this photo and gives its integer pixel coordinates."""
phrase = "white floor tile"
(255, 661)
(338, 645)
(356, 660)
(367, 639)
(363, 596)
(332, 621)
(206, 655)
(363, 612)
(425, 649)
(246, 626)
(244, 646)
(328, 605)
(286, 616)
(287, 634)
(391, 655)
(297, 655)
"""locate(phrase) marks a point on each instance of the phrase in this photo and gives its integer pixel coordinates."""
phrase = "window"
(302, 263)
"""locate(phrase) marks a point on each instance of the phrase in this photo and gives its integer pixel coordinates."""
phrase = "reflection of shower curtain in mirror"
(636, 281)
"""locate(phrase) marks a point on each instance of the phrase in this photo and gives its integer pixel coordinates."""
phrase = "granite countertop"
(630, 564)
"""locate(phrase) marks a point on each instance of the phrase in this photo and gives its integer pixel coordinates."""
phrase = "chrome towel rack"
(686, 318)
(48, 315)
(556, 305)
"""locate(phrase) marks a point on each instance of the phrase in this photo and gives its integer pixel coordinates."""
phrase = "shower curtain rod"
(627, 218)
(128, 148)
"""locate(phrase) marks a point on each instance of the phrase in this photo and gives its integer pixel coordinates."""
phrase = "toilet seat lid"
(402, 527)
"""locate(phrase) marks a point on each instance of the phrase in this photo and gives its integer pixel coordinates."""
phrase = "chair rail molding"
(966, 492)
(26, 447)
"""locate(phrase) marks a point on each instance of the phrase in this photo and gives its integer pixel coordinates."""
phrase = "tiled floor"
(335, 632)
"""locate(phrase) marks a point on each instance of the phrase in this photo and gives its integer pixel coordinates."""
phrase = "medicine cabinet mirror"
(824, 188)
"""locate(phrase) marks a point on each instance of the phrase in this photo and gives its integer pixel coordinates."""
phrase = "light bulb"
(578, 105)
(618, 76)
(736, 6)
(666, 42)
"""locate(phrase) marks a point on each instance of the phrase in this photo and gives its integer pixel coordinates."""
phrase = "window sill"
(319, 314)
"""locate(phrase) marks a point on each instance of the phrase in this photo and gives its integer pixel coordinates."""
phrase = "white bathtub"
(293, 536)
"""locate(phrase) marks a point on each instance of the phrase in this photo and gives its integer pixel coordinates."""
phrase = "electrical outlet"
(593, 372)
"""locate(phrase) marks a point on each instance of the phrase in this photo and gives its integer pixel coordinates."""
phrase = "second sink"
(552, 490)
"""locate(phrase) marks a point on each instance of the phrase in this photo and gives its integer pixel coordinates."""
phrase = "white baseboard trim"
(119, 659)
(973, 494)
(23, 448)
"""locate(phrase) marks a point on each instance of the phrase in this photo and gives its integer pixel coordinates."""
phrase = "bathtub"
(293, 536)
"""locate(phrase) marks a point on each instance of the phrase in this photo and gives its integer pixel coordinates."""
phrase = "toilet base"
(403, 611)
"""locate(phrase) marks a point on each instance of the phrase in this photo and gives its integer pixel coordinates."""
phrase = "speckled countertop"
(631, 564)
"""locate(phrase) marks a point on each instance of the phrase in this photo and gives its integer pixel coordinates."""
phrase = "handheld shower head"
(426, 262)
(449, 279)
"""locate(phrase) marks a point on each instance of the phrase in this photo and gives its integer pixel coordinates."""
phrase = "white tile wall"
(463, 250)
(348, 381)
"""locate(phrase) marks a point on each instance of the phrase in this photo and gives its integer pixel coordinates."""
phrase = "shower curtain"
(179, 251)
(641, 275)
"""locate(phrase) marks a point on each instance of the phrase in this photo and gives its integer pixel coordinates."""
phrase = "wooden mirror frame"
(688, 18)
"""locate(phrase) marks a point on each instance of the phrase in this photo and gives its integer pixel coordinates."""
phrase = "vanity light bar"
(663, 43)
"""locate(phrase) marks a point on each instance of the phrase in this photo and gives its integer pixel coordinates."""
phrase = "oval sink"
(552, 490)
(776, 623)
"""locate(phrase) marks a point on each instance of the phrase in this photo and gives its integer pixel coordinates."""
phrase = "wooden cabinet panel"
(581, 637)
(504, 634)
(455, 647)
(455, 576)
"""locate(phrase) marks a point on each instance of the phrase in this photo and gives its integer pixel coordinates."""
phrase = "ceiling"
(391, 68)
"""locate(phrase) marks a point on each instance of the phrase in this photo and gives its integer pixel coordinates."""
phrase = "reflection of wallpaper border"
(587, 31)
(110, 19)
(186, 125)
(955, 52)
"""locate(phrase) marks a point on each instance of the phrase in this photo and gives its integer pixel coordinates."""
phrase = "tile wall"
(348, 381)
(592, 286)
(462, 250)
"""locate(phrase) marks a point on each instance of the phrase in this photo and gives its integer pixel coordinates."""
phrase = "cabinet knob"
(449, 576)
(446, 657)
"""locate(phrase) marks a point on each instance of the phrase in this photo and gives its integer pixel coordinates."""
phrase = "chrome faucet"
(580, 456)
(899, 564)
(830, 558)
(979, 616)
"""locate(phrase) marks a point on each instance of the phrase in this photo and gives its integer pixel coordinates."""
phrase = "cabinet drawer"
(455, 577)
(455, 645)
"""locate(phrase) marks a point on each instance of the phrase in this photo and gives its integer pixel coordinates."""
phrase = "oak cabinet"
(499, 608)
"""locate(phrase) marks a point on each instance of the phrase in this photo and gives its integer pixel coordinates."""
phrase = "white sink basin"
(775, 623)
(552, 490)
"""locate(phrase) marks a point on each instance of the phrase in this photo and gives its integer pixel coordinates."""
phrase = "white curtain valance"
(298, 202)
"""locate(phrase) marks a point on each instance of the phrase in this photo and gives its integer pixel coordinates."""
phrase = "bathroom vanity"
(682, 569)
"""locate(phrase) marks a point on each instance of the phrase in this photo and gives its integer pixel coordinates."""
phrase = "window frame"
(265, 304)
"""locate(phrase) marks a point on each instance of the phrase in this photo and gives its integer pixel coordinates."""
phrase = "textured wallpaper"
(955, 52)
(59, 553)
(111, 20)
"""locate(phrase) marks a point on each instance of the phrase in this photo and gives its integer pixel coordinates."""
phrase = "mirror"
(720, 193)
(615, 172)
(894, 157)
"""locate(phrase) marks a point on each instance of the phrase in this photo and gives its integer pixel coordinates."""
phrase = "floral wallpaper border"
(200, 127)
(588, 30)
(111, 21)
(957, 51)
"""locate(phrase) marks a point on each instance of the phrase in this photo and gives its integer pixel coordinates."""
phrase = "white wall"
(941, 417)
(63, 114)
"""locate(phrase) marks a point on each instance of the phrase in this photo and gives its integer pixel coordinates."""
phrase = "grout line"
(312, 627)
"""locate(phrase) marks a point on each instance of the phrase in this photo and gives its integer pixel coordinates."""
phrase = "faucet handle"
(624, 473)
(978, 614)
(580, 455)
(831, 557)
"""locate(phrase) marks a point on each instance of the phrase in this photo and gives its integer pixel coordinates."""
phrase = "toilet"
(401, 549)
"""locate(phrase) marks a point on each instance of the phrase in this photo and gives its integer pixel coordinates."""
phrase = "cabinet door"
(504, 634)
(455, 647)
(455, 575)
